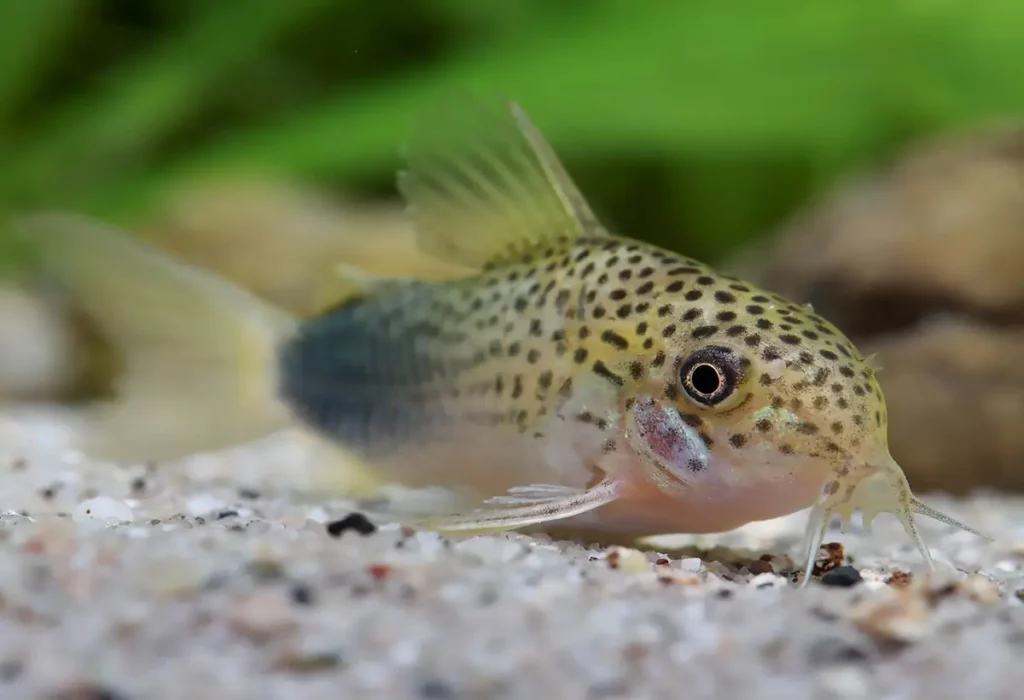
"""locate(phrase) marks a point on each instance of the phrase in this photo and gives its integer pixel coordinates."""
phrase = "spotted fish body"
(497, 360)
(503, 350)
(580, 378)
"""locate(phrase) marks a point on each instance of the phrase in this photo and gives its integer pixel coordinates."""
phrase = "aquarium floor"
(221, 582)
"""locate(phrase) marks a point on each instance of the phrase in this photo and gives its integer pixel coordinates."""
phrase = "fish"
(573, 378)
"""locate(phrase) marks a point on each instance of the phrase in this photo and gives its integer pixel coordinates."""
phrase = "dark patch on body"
(370, 374)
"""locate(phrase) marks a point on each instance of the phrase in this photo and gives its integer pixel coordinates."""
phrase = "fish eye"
(711, 374)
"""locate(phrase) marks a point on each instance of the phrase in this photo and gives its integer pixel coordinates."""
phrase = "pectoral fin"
(534, 494)
(528, 506)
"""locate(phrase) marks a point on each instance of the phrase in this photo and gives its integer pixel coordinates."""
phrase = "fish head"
(745, 390)
(754, 403)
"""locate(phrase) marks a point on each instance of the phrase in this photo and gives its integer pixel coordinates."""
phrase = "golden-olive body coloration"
(579, 380)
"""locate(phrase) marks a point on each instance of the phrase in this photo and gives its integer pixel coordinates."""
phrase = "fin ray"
(359, 282)
(511, 517)
(534, 494)
(483, 186)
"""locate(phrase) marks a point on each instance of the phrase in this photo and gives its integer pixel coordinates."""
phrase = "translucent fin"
(572, 502)
(483, 186)
(874, 362)
(817, 525)
(198, 354)
(358, 282)
(533, 494)
(347, 283)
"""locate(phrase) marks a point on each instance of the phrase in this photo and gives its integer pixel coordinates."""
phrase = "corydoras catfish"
(576, 379)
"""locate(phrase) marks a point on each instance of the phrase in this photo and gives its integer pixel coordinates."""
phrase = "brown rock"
(939, 229)
(955, 391)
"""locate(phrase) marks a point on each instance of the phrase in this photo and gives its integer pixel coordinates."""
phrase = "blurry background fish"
(864, 156)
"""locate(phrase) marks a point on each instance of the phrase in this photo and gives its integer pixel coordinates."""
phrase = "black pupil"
(705, 379)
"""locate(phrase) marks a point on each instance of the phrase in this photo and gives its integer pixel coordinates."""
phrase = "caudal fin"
(198, 355)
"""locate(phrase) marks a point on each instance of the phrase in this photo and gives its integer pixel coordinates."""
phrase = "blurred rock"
(923, 264)
(37, 347)
(942, 228)
(285, 242)
(955, 390)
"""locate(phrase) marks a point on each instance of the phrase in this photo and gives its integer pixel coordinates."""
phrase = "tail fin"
(198, 355)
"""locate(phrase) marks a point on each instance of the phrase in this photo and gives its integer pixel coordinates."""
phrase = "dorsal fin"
(484, 187)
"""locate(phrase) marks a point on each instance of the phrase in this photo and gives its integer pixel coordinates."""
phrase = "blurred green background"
(694, 123)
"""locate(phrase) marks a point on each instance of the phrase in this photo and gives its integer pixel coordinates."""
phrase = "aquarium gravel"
(219, 578)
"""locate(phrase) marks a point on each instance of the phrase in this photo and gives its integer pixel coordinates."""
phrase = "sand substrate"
(214, 579)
